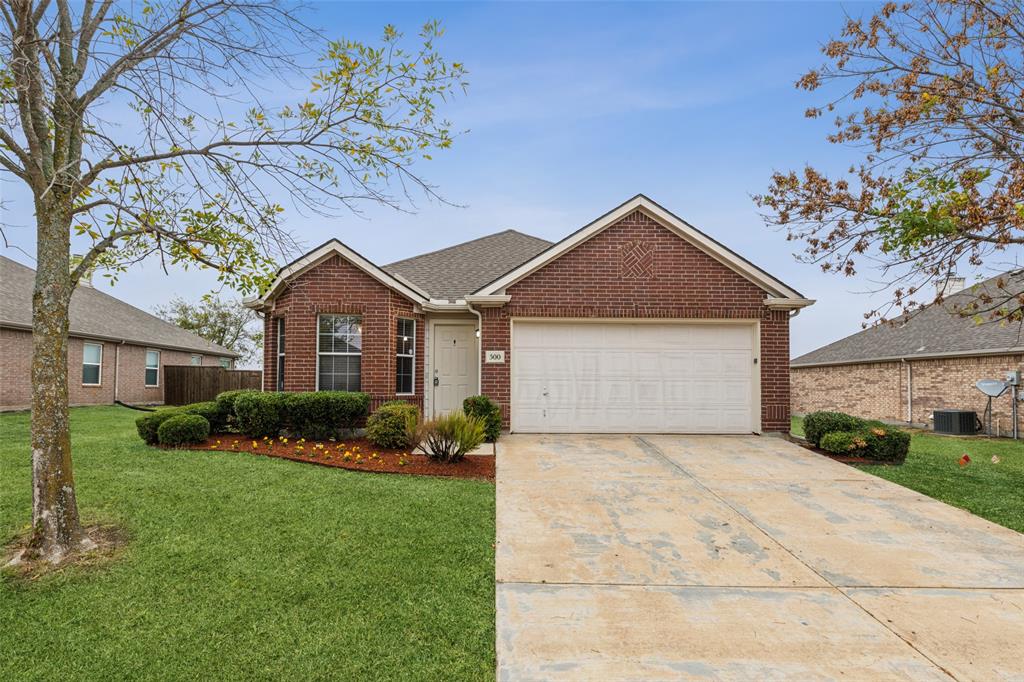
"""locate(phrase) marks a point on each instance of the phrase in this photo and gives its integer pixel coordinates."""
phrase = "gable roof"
(935, 331)
(459, 270)
(96, 315)
(329, 249)
(782, 294)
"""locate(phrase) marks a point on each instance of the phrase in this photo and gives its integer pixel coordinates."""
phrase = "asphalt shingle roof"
(934, 331)
(458, 270)
(96, 314)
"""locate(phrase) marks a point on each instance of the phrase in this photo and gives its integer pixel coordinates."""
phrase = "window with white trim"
(152, 368)
(92, 364)
(196, 360)
(339, 353)
(225, 363)
(280, 353)
(405, 356)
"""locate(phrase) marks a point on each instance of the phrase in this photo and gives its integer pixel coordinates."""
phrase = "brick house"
(905, 370)
(637, 322)
(115, 350)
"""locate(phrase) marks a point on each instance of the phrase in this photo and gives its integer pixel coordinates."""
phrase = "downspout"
(117, 366)
(479, 348)
(910, 390)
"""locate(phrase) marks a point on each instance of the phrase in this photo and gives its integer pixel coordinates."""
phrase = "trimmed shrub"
(389, 425)
(184, 429)
(259, 414)
(148, 424)
(449, 438)
(323, 414)
(843, 443)
(817, 424)
(486, 410)
(885, 443)
(226, 403)
(210, 411)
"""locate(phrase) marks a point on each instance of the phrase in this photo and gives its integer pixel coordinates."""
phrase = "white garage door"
(576, 377)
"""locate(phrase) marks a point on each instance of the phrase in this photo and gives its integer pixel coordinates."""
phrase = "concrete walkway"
(680, 557)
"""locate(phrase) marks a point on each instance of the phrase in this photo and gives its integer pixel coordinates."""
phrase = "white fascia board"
(787, 303)
(335, 247)
(666, 218)
(440, 305)
(488, 301)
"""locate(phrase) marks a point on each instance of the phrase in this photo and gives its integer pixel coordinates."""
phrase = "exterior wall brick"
(16, 366)
(671, 279)
(337, 286)
(879, 390)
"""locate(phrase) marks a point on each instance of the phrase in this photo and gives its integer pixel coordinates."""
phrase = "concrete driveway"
(734, 557)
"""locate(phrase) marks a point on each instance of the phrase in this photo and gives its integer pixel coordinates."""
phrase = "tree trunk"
(56, 529)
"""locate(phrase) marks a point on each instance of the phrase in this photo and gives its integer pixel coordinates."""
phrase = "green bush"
(817, 424)
(260, 414)
(885, 443)
(226, 403)
(210, 411)
(389, 426)
(450, 437)
(183, 429)
(843, 443)
(148, 423)
(486, 410)
(323, 414)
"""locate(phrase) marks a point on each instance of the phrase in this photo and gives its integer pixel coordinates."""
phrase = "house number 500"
(494, 356)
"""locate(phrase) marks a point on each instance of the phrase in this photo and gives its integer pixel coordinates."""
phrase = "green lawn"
(991, 490)
(244, 567)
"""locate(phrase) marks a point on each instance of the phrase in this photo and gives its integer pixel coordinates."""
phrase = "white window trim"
(318, 353)
(279, 328)
(159, 356)
(99, 377)
(194, 356)
(404, 355)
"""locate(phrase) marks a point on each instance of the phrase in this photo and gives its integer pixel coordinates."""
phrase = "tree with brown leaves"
(932, 93)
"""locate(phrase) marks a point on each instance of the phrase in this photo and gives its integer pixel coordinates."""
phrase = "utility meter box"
(1013, 377)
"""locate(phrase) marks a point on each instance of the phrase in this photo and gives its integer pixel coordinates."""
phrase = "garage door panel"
(621, 377)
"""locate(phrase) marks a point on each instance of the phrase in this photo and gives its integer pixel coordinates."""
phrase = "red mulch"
(357, 454)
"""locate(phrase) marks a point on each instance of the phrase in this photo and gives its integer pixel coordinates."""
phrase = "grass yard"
(245, 567)
(990, 490)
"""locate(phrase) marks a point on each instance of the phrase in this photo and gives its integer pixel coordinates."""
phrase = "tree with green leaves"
(141, 130)
(225, 323)
(931, 95)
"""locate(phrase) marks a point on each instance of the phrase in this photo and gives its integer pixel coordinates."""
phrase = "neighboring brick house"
(637, 322)
(907, 369)
(115, 351)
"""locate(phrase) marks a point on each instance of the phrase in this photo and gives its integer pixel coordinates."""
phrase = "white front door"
(634, 377)
(455, 358)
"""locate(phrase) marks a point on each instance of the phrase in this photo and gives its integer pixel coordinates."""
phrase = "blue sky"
(575, 107)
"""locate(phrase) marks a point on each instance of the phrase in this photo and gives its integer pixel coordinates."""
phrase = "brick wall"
(879, 390)
(336, 286)
(638, 269)
(16, 365)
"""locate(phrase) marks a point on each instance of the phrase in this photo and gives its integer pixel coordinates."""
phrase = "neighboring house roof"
(96, 315)
(784, 296)
(459, 270)
(935, 331)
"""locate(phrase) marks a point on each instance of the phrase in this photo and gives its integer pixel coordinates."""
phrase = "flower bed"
(356, 454)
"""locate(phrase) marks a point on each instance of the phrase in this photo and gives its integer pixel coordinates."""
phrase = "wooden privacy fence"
(184, 384)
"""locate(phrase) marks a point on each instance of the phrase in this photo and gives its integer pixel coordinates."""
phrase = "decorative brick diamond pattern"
(636, 261)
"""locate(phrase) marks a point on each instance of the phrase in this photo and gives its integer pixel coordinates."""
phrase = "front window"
(196, 360)
(405, 360)
(152, 368)
(280, 353)
(339, 352)
(92, 363)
